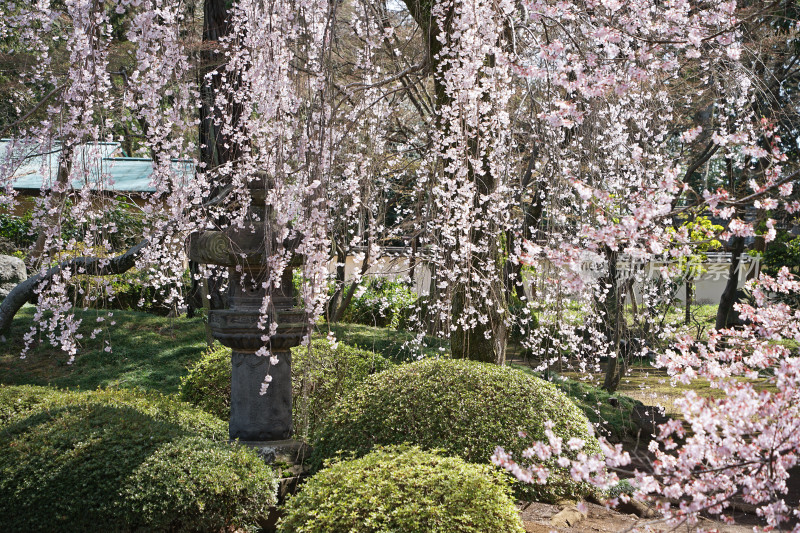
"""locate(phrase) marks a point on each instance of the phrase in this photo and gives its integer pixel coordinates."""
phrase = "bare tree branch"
(33, 109)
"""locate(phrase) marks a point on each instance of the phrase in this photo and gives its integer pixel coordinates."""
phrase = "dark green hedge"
(72, 461)
(405, 490)
(464, 407)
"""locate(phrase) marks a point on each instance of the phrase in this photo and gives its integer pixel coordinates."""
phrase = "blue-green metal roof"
(34, 167)
(133, 174)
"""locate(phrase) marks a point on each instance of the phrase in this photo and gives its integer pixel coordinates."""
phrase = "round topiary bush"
(194, 484)
(207, 385)
(327, 373)
(403, 489)
(66, 462)
(464, 407)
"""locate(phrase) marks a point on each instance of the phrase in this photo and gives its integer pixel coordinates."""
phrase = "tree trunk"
(433, 322)
(352, 289)
(194, 298)
(760, 245)
(216, 148)
(483, 341)
(629, 291)
(610, 310)
(689, 297)
(412, 267)
(335, 303)
(512, 272)
(726, 315)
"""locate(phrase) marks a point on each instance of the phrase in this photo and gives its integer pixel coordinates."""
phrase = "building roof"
(134, 174)
(104, 168)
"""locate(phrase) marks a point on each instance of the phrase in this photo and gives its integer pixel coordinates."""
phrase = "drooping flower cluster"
(615, 172)
(735, 446)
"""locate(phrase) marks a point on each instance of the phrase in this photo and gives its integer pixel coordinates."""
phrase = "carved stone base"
(255, 417)
(280, 451)
(287, 457)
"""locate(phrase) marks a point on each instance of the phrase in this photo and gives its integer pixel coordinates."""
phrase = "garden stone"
(648, 418)
(267, 454)
(12, 272)
(568, 517)
(288, 457)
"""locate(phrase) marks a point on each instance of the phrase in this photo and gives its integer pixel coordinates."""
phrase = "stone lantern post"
(254, 417)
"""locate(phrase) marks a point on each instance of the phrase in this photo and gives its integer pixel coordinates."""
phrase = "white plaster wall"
(709, 285)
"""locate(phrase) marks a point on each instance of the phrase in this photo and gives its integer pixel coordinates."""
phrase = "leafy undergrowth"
(611, 414)
(393, 344)
(643, 383)
(652, 386)
(151, 351)
(147, 351)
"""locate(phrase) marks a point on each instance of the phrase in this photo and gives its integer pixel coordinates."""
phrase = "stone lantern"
(254, 417)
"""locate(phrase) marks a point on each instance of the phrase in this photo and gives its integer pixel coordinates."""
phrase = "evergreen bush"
(207, 384)
(194, 484)
(403, 489)
(463, 407)
(70, 462)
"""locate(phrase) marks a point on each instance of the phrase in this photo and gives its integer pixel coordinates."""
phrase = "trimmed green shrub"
(403, 489)
(66, 461)
(207, 385)
(464, 407)
(22, 400)
(381, 303)
(327, 373)
(195, 484)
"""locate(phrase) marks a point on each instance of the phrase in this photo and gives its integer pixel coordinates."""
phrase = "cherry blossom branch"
(414, 68)
(91, 266)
